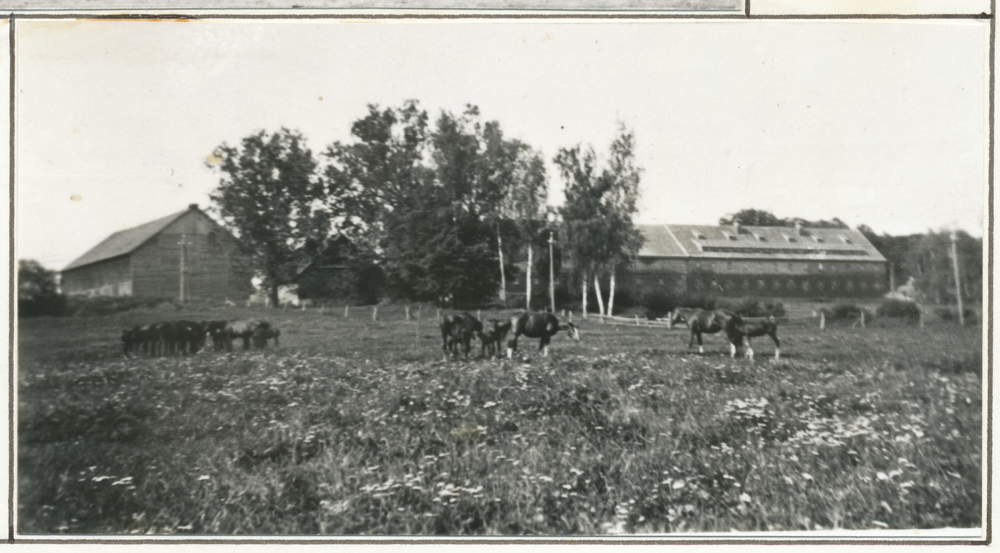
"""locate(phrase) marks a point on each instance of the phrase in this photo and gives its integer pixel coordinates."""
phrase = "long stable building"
(154, 258)
(741, 261)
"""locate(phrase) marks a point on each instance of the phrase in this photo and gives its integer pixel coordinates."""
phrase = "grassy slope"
(356, 426)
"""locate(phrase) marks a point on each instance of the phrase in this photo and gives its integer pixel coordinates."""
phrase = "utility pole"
(183, 244)
(958, 280)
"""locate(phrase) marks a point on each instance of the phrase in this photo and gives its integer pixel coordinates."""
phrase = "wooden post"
(862, 319)
(438, 315)
(479, 315)
(303, 306)
(407, 312)
(636, 320)
(346, 309)
(374, 313)
(920, 316)
(822, 320)
(570, 317)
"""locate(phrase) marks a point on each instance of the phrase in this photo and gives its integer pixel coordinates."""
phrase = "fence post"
(407, 312)
(438, 315)
(670, 320)
(822, 320)
(479, 315)
(636, 320)
(862, 319)
(570, 315)
(920, 317)
(374, 313)
(303, 306)
(346, 308)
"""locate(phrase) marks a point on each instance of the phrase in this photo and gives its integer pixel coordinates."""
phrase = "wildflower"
(204, 477)
(745, 497)
(881, 475)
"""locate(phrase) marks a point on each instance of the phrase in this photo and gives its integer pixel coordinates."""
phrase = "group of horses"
(737, 330)
(457, 333)
(170, 337)
(458, 330)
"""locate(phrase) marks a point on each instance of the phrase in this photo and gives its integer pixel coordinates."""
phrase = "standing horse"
(457, 330)
(741, 334)
(492, 336)
(538, 325)
(701, 322)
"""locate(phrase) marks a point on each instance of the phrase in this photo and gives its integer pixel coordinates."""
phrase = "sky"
(875, 122)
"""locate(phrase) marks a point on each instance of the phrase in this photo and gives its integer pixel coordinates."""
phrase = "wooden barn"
(737, 261)
(184, 255)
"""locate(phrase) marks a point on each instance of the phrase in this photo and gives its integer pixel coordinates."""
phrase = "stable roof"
(752, 242)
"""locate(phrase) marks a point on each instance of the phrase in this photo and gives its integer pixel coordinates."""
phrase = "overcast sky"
(881, 123)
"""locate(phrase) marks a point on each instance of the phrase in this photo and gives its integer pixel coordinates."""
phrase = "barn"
(184, 255)
(737, 261)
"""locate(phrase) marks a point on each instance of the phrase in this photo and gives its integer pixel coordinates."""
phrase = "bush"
(846, 311)
(106, 305)
(754, 307)
(899, 309)
(658, 303)
(50, 305)
(950, 314)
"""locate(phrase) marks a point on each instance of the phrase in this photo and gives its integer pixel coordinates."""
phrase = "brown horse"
(458, 330)
(492, 336)
(741, 334)
(700, 321)
(538, 325)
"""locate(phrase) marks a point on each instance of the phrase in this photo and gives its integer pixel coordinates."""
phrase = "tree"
(598, 211)
(273, 201)
(37, 290)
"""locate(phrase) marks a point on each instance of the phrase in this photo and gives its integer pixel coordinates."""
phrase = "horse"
(742, 334)
(700, 321)
(247, 330)
(456, 330)
(492, 336)
(265, 332)
(216, 331)
(538, 325)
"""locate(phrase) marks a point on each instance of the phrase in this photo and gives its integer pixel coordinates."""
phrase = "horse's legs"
(749, 353)
(777, 345)
(732, 349)
(698, 334)
(543, 345)
(512, 345)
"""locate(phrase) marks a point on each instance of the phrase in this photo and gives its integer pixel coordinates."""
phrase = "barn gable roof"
(781, 243)
(127, 241)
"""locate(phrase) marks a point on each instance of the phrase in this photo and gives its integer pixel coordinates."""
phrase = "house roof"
(126, 241)
(752, 242)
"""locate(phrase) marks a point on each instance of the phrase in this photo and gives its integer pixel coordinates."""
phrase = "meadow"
(358, 427)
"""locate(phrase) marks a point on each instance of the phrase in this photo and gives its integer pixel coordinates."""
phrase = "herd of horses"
(170, 337)
(457, 333)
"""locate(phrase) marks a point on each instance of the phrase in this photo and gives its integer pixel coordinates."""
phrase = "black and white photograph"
(624, 275)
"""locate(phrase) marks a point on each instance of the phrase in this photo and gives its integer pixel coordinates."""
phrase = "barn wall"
(107, 278)
(209, 262)
(738, 278)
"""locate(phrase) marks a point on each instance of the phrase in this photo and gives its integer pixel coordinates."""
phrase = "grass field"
(355, 426)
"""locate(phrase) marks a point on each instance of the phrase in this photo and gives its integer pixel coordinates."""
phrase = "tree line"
(442, 211)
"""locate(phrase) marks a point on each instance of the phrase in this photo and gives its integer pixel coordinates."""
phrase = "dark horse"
(538, 325)
(741, 334)
(701, 322)
(458, 330)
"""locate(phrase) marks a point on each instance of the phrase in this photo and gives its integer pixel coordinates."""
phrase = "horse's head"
(677, 317)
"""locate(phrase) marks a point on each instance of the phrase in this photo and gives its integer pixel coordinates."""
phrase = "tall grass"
(357, 427)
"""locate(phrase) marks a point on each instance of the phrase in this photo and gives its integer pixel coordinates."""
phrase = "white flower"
(745, 497)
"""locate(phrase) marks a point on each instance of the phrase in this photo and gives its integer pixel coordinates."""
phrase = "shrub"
(107, 305)
(950, 314)
(657, 303)
(843, 311)
(50, 305)
(899, 309)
